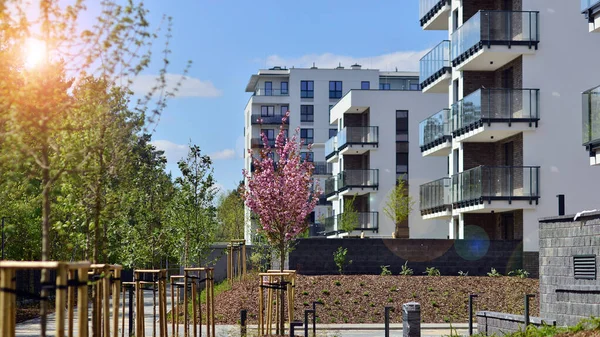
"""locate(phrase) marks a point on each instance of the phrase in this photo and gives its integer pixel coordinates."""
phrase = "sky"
(228, 41)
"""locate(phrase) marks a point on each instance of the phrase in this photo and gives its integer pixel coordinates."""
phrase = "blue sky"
(230, 40)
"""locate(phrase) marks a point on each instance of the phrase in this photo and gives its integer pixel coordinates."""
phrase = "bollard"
(315, 317)
(243, 318)
(306, 312)
(387, 321)
(131, 331)
(527, 296)
(411, 319)
(471, 296)
(293, 325)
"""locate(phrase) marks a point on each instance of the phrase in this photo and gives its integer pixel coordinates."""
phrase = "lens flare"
(35, 53)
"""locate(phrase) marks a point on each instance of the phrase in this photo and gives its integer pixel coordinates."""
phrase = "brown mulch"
(26, 312)
(362, 298)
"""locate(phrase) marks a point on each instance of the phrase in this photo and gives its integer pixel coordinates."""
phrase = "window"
(270, 133)
(306, 136)
(267, 111)
(365, 85)
(401, 126)
(307, 156)
(401, 162)
(335, 89)
(384, 86)
(332, 133)
(284, 88)
(307, 89)
(414, 86)
(268, 88)
(307, 113)
(284, 110)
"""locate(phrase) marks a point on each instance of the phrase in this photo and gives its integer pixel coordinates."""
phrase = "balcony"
(434, 14)
(435, 138)
(591, 124)
(357, 139)
(435, 199)
(258, 119)
(489, 115)
(331, 151)
(591, 10)
(367, 221)
(331, 188)
(322, 168)
(271, 92)
(511, 33)
(436, 70)
(270, 96)
(496, 188)
(258, 143)
(357, 182)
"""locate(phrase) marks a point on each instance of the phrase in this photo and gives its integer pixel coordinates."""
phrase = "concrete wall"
(315, 256)
(562, 297)
(496, 323)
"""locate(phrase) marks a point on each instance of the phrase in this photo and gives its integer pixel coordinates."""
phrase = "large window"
(284, 110)
(332, 133)
(365, 85)
(335, 89)
(270, 133)
(268, 88)
(307, 113)
(284, 88)
(306, 135)
(401, 142)
(307, 89)
(401, 126)
(306, 156)
(267, 111)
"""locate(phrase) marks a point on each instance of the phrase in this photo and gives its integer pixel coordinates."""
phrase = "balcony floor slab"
(493, 58)
(496, 206)
(494, 132)
(439, 21)
(440, 150)
(440, 86)
(357, 191)
(446, 214)
(354, 149)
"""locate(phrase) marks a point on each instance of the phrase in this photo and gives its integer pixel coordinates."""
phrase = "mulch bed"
(362, 298)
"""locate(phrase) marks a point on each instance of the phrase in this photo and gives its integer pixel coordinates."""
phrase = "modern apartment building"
(313, 97)
(591, 97)
(513, 71)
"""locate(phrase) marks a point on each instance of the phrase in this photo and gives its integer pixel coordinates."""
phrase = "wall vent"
(584, 267)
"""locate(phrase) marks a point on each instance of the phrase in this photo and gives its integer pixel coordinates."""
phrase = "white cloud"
(223, 155)
(403, 60)
(190, 86)
(173, 152)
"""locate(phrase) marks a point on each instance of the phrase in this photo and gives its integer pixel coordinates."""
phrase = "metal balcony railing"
(271, 92)
(322, 168)
(495, 105)
(488, 183)
(487, 28)
(358, 135)
(258, 142)
(435, 130)
(435, 63)
(366, 221)
(587, 4)
(591, 118)
(436, 196)
(428, 8)
(276, 119)
(331, 147)
(358, 179)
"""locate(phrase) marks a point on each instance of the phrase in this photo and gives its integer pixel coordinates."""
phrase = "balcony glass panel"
(277, 119)
(322, 168)
(500, 105)
(495, 27)
(586, 4)
(358, 178)
(496, 183)
(435, 195)
(434, 61)
(258, 142)
(434, 128)
(425, 6)
(271, 92)
(330, 186)
(591, 117)
(330, 147)
(366, 221)
(358, 135)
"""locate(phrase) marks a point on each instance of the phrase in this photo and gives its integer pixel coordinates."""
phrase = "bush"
(385, 271)
(339, 257)
(494, 273)
(325, 292)
(405, 270)
(432, 271)
(337, 283)
(520, 273)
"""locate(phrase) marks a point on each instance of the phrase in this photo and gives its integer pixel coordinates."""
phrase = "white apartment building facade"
(513, 71)
(310, 95)
(591, 97)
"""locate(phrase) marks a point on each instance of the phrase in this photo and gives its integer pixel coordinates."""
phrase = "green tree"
(230, 213)
(398, 204)
(348, 220)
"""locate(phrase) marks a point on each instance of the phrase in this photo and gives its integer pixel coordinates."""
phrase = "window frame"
(362, 85)
(305, 138)
(305, 89)
(269, 92)
(336, 92)
(267, 106)
(305, 113)
(287, 88)
(307, 154)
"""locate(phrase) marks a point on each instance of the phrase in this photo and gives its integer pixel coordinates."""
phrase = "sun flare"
(35, 52)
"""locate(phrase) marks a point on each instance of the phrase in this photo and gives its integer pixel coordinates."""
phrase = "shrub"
(390, 300)
(325, 292)
(337, 283)
(434, 304)
(462, 273)
(362, 284)
(366, 293)
(494, 273)
(432, 271)
(385, 271)
(305, 304)
(319, 300)
(339, 257)
(372, 305)
(336, 301)
(347, 292)
(520, 273)
(405, 270)
(305, 293)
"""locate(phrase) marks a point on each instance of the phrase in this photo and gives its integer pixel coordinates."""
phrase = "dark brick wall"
(493, 226)
(315, 256)
(476, 154)
(473, 80)
(531, 263)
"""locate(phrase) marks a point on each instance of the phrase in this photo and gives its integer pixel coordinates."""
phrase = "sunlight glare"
(35, 53)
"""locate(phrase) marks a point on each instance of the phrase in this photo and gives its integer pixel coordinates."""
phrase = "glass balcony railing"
(435, 130)
(358, 178)
(258, 142)
(276, 119)
(322, 168)
(329, 225)
(487, 183)
(494, 28)
(435, 63)
(366, 221)
(587, 4)
(357, 135)
(330, 186)
(591, 117)
(331, 147)
(428, 8)
(436, 196)
(271, 92)
(495, 105)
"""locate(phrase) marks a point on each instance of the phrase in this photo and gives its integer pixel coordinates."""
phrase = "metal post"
(306, 312)
(292, 326)
(471, 296)
(243, 318)
(527, 296)
(314, 321)
(387, 321)
(561, 211)
(131, 332)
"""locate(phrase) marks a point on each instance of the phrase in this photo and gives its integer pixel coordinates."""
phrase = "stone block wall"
(562, 296)
(497, 323)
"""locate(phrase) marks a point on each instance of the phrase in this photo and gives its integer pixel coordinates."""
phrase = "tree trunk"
(282, 292)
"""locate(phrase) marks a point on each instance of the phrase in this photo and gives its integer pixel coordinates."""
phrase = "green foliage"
(325, 292)
(494, 273)
(591, 324)
(339, 257)
(348, 220)
(432, 271)
(337, 283)
(366, 293)
(405, 270)
(520, 273)
(262, 253)
(385, 271)
(399, 203)
(230, 214)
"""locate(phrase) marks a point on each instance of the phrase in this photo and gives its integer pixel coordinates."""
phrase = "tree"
(230, 213)
(398, 204)
(348, 219)
(281, 195)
